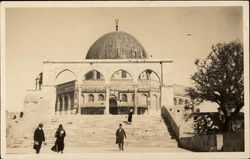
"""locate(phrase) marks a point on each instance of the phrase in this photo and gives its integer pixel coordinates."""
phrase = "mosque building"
(115, 77)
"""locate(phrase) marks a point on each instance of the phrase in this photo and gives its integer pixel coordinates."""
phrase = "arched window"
(144, 99)
(175, 101)
(91, 98)
(186, 102)
(100, 97)
(133, 97)
(83, 99)
(180, 102)
(124, 98)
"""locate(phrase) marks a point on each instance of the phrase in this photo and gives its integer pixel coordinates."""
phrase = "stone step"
(99, 130)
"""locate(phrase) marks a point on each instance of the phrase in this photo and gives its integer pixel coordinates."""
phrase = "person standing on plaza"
(130, 114)
(39, 138)
(60, 135)
(120, 134)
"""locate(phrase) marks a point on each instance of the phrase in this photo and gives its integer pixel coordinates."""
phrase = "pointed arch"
(101, 97)
(133, 97)
(82, 98)
(64, 76)
(113, 96)
(91, 98)
(175, 101)
(144, 99)
(180, 101)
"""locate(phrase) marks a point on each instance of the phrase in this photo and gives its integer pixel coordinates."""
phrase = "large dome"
(117, 45)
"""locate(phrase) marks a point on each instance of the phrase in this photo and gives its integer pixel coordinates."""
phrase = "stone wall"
(200, 143)
(162, 69)
(229, 142)
(233, 142)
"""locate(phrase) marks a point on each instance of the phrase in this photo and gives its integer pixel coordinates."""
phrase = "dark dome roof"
(117, 45)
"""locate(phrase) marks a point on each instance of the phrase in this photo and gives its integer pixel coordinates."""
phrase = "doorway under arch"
(113, 106)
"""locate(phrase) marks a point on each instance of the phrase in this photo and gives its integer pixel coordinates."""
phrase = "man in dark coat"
(120, 134)
(38, 138)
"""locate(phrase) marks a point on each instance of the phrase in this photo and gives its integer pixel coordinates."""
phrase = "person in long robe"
(120, 134)
(59, 144)
(130, 114)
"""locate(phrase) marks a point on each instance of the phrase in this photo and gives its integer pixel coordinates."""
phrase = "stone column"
(79, 99)
(63, 104)
(152, 109)
(107, 100)
(75, 108)
(69, 104)
(57, 106)
(135, 99)
(60, 110)
(157, 105)
(72, 104)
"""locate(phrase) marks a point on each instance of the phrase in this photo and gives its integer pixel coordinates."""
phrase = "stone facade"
(115, 77)
(110, 86)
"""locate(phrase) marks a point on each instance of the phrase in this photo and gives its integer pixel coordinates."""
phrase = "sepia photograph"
(124, 80)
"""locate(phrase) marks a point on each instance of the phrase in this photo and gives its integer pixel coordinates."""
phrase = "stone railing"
(119, 82)
(168, 118)
(178, 122)
(93, 83)
(142, 84)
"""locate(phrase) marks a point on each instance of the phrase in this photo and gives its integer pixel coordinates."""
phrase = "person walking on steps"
(120, 134)
(130, 114)
(39, 138)
(59, 144)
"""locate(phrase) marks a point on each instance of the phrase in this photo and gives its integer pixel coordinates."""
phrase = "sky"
(34, 35)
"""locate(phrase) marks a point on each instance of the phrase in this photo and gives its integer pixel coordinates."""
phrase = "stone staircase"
(98, 131)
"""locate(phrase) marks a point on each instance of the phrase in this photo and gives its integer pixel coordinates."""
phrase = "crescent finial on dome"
(116, 27)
